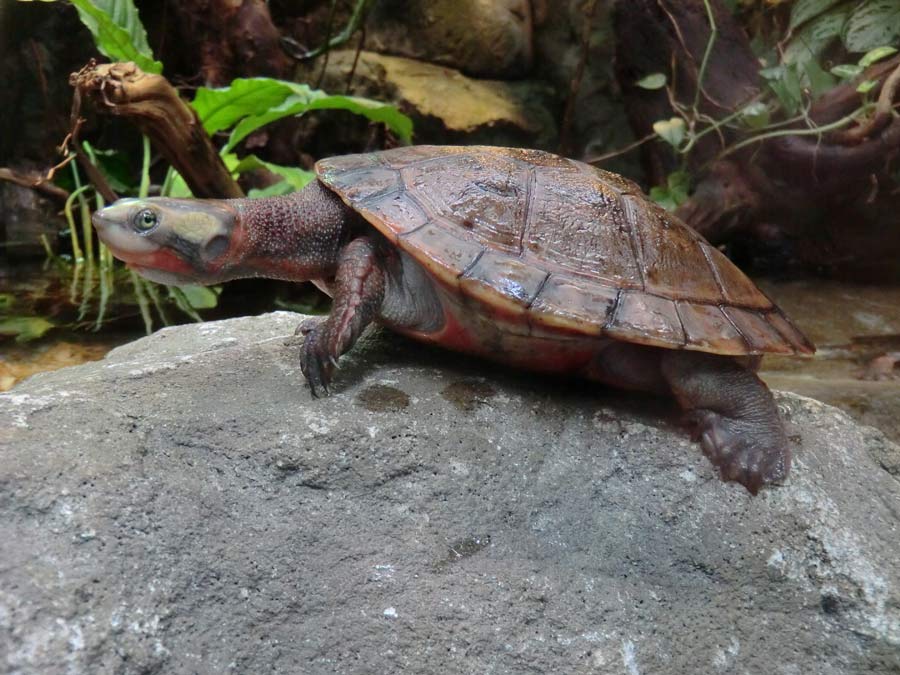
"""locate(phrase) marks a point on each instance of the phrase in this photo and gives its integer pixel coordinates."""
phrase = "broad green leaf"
(809, 42)
(670, 130)
(222, 108)
(275, 190)
(755, 115)
(299, 104)
(663, 197)
(25, 328)
(817, 80)
(295, 178)
(785, 83)
(201, 297)
(866, 86)
(804, 10)
(679, 184)
(118, 31)
(847, 71)
(674, 193)
(872, 24)
(876, 55)
(652, 81)
(252, 103)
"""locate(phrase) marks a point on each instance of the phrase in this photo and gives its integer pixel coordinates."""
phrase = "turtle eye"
(145, 220)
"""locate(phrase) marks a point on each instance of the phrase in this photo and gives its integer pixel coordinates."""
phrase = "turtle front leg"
(735, 416)
(358, 292)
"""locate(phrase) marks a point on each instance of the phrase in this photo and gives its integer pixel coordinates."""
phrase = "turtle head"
(173, 241)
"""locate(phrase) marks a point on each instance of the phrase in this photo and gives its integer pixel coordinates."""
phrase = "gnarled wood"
(153, 105)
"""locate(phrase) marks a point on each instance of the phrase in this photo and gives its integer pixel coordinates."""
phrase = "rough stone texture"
(185, 506)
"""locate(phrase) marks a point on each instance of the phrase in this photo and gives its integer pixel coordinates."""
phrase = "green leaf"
(866, 86)
(847, 71)
(6, 300)
(671, 130)
(875, 55)
(804, 10)
(295, 178)
(872, 24)
(248, 104)
(755, 115)
(652, 81)
(785, 83)
(809, 42)
(201, 297)
(25, 328)
(663, 197)
(679, 184)
(275, 190)
(118, 31)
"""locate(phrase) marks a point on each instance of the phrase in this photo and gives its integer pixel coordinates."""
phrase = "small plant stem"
(144, 188)
(818, 131)
(77, 254)
(141, 296)
(713, 35)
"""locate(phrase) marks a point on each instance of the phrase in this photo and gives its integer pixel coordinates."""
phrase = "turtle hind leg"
(734, 415)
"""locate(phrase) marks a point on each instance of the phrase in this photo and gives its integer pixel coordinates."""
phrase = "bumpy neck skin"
(296, 237)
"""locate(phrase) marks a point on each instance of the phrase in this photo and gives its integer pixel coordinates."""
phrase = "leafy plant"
(794, 77)
(240, 109)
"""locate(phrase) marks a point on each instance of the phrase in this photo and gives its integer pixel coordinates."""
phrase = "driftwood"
(154, 107)
(827, 201)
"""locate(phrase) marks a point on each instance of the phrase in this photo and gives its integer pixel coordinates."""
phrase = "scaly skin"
(312, 236)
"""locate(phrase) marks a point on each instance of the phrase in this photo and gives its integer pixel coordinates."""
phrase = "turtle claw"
(316, 360)
(742, 452)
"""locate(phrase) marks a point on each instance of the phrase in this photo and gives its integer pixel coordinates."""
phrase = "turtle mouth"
(161, 276)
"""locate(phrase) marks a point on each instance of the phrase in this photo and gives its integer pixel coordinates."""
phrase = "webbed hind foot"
(740, 450)
(734, 416)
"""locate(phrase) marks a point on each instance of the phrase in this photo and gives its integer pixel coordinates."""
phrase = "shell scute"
(564, 245)
(646, 319)
(503, 280)
(481, 193)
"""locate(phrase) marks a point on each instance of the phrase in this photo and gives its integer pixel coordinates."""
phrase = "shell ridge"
(537, 292)
(684, 332)
(529, 195)
(611, 317)
(737, 328)
(625, 201)
(715, 272)
(471, 264)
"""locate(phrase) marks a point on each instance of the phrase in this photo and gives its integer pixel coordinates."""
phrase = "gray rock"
(185, 506)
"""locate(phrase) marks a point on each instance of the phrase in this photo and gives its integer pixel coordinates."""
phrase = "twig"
(621, 151)
(819, 131)
(359, 48)
(34, 181)
(326, 48)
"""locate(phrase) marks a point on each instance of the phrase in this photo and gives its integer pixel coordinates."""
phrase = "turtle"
(516, 255)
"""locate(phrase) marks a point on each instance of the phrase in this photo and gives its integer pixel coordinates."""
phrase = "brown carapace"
(563, 244)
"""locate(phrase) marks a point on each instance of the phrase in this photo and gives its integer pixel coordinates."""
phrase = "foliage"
(794, 73)
(117, 30)
(239, 109)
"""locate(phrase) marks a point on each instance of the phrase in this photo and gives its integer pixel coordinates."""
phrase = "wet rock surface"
(185, 506)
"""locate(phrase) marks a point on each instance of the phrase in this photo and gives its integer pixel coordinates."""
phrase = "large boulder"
(186, 506)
